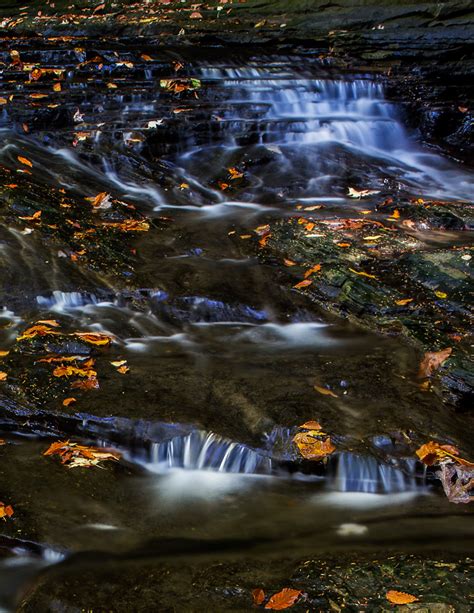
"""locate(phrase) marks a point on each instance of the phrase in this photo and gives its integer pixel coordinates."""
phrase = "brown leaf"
(283, 600)
(432, 360)
(258, 596)
(400, 597)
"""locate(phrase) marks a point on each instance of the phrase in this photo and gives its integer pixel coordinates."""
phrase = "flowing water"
(223, 358)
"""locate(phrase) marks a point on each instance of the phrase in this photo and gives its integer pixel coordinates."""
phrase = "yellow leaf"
(57, 87)
(3, 101)
(3, 353)
(400, 597)
(324, 391)
(362, 274)
(441, 294)
(94, 338)
(313, 445)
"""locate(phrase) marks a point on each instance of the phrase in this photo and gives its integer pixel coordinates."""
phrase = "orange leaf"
(400, 597)
(25, 161)
(258, 596)
(312, 446)
(94, 338)
(5, 511)
(404, 301)
(283, 600)
(311, 425)
(289, 262)
(68, 401)
(312, 270)
(304, 283)
(362, 274)
(3, 376)
(432, 360)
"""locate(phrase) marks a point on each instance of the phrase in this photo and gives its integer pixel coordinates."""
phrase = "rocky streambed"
(204, 248)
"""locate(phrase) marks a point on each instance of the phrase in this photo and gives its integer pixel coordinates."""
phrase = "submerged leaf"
(283, 600)
(400, 597)
(258, 596)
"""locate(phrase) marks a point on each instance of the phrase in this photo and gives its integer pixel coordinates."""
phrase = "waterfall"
(207, 452)
(355, 473)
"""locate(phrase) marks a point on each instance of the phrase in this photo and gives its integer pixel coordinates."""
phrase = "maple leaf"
(400, 597)
(283, 600)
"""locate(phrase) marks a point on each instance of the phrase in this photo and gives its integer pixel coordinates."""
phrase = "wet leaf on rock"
(283, 600)
(3, 376)
(68, 401)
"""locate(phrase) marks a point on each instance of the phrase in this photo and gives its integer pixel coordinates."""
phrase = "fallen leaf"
(324, 391)
(3, 353)
(313, 445)
(304, 283)
(258, 596)
(283, 600)
(400, 597)
(25, 161)
(312, 270)
(441, 294)
(3, 376)
(36, 330)
(310, 425)
(94, 338)
(80, 456)
(289, 262)
(68, 401)
(362, 274)
(433, 453)
(404, 301)
(5, 510)
(432, 360)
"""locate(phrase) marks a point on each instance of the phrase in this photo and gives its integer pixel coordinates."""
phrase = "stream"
(223, 355)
